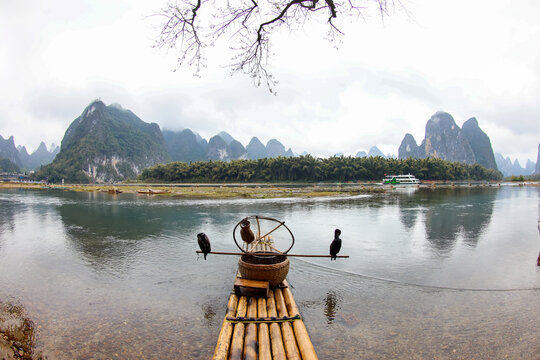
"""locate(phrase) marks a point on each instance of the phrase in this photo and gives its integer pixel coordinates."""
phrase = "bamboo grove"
(311, 169)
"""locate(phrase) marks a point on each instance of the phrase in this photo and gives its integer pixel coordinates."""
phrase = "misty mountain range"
(110, 143)
(19, 155)
(469, 144)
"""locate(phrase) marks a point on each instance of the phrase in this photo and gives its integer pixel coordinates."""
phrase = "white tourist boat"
(400, 180)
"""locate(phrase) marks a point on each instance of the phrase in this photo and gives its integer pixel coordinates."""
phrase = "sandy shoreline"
(209, 191)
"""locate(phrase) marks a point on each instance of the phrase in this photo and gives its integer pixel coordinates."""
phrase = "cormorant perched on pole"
(204, 243)
(335, 246)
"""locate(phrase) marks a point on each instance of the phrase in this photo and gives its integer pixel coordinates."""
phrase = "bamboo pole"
(267, 235)
(274, 229)
(302, 337)
(264, 335)
(273, 254)
(250, 341)
(273, 248)
(237, 344)
(224, 339)
(278, 351)
(286, 329)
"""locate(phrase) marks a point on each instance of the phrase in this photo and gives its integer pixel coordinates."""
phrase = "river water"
(432, 274)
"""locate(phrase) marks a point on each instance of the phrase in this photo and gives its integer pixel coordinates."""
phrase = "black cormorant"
(204, 243)
(335, 246)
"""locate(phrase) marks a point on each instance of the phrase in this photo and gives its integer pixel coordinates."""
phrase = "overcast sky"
(386, 78)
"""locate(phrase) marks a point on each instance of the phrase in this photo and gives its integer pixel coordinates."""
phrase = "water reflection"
(6, 218)
(331, 306)
(8, 210)
(454, 212)
(167, 304)
(111, 232)
(104, 233)
(209, 311)
(408, 212)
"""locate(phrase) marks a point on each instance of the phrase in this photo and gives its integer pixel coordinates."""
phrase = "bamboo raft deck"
(265, 328)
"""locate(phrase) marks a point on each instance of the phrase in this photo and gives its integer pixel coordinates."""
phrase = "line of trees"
(310, 169)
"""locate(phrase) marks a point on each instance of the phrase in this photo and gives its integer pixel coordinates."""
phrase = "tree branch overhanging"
(189, 26)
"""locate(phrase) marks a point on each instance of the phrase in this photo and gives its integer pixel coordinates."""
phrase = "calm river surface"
(432, 274)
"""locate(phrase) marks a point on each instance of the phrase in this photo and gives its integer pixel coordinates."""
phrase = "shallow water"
(446, 274)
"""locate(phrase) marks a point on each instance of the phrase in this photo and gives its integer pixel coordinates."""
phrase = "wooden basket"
(272, 269)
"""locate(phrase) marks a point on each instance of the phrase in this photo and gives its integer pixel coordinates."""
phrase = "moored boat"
(400, 180)
(112, 190)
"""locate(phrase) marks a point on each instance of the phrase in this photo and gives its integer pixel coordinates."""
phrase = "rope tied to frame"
(262, 320)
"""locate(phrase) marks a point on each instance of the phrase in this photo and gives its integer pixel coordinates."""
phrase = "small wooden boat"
(152, 191)
(112, 190)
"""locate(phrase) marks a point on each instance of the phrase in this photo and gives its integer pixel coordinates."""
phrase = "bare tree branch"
(191, 25)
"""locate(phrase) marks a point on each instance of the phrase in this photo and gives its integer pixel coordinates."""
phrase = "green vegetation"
(521, 178)
(100, 137)
(7, 166)
(310, 169)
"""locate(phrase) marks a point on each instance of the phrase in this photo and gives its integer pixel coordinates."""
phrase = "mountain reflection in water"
(453, 212)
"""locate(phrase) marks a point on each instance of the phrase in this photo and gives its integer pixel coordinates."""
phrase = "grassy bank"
(207, 191)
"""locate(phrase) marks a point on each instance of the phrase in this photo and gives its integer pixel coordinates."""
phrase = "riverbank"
(252, 190)
(209, 191)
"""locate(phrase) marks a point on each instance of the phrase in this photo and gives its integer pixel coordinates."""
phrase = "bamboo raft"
(263, 327)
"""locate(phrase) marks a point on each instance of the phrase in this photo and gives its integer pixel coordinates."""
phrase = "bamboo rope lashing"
(278, 350)
(224, 339)
(250, 341)
(262, 320)
(302, 337)
(264, 335)
(261, 244)
(237, 344)
(289, 340)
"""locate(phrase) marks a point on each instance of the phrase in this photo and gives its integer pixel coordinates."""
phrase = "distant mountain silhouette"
(374, 151)
(361, 154)
(20, 157)
(256, 149)
(445, 140)
(9, 151)
(480, 144)
(537, 167)
(184, 146)
(513, 168)
(106, 143)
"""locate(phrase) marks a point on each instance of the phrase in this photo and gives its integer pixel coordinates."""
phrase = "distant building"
(11, 177)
